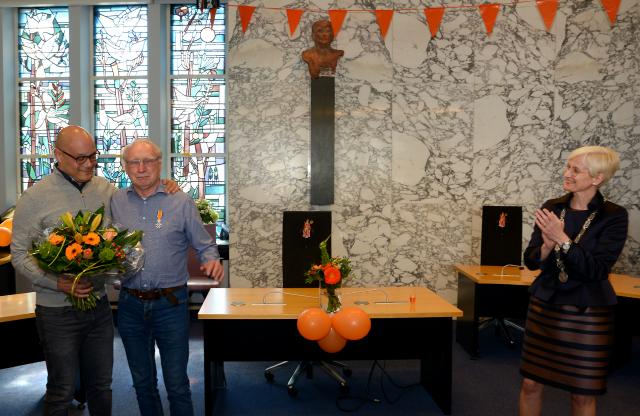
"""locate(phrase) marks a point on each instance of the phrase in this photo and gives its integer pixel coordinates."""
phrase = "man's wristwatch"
(566, 246)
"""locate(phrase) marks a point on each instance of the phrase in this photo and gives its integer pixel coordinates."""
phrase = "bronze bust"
(322, 59)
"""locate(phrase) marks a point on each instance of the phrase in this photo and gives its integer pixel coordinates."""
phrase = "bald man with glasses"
(72, 340)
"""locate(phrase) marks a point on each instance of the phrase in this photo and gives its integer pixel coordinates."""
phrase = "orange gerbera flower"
(55, 239)
(72, 251)
(91, 238)
(331, 274)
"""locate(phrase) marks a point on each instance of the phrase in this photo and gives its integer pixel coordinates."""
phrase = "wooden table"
(627, 320)
(502, 292)
(21, 344)
(489, 291)
(259, 324)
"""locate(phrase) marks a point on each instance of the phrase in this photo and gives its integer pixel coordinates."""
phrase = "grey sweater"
(39, 208)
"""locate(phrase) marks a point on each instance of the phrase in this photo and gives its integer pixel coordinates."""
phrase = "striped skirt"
(568, 347)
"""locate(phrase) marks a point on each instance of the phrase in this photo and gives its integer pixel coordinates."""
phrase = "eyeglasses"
(141, 162)
(81, 159)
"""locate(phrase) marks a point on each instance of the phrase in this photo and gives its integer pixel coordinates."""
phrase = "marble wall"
(427, 130)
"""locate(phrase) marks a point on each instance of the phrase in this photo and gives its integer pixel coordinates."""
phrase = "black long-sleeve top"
(587, 262)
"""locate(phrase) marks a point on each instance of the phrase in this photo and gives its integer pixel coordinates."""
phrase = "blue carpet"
(487, 386)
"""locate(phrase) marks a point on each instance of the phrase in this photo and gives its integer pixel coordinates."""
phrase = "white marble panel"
(362, 233)
(432, 148)
(427, 240)
(516, 149)
(362, 143)
(448, 57)
(519, 61)
(594, 51)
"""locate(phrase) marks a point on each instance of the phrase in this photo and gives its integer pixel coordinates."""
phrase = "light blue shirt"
(170, 224)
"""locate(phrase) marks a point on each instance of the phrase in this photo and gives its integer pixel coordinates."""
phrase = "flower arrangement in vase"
(330, 274)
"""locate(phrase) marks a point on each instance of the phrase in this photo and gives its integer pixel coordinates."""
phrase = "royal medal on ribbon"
(159, 219)
(563, 277)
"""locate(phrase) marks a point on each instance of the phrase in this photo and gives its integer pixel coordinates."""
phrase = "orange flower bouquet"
(330, 274)
(82, 247)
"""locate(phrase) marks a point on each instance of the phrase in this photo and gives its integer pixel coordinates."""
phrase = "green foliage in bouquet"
(207, 214)
(81, 246)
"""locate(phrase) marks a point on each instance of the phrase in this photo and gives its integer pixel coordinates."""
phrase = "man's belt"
(155, 294)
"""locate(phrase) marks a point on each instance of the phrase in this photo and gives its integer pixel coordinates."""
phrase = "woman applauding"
(576, 240)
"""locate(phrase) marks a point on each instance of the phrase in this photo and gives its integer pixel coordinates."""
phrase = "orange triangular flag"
(294, 15)
(434, 17)
(337, 17)
(489, 12)
(611, 7)
(384, 20)
(547, 9)
(245, 16)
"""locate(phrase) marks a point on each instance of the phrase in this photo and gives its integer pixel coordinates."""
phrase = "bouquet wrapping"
(81, 247)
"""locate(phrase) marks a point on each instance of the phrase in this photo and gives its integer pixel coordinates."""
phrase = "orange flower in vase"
(330, 275)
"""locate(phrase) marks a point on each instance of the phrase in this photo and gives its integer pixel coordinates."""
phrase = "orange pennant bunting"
(547, 9)
(245, 16)
(489, 12)
(611, 7)
(294, 15)
(337, 17)
(384, 20)
(434, 17)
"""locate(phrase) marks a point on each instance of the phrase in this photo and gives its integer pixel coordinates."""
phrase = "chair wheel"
(268, 375)
(347, 372)
(293, 392)
(344, 388)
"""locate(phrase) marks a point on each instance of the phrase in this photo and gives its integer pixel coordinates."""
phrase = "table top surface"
(279, 303)
(16, 307)
(492, 275)
(624, 285)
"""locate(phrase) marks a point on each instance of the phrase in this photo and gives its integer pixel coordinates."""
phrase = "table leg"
(435, 365)
(214, 377)
(467, 325)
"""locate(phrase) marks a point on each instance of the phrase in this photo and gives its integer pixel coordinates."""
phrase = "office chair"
(299, 252)
(501, 325)
(501, 245)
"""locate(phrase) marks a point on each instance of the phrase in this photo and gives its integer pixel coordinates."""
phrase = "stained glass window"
(43, 87)
(121, 93)
(204, 178)
(198, 104)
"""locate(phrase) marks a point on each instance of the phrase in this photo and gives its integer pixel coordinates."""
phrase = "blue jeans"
(77, 342)
(143, 324)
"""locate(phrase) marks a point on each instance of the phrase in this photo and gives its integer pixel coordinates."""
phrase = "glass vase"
(330, 299)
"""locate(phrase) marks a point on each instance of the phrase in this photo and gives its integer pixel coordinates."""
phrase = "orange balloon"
(8, 223)
(314, 324)
(352, 323)
(333, 342)
(5, 238)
